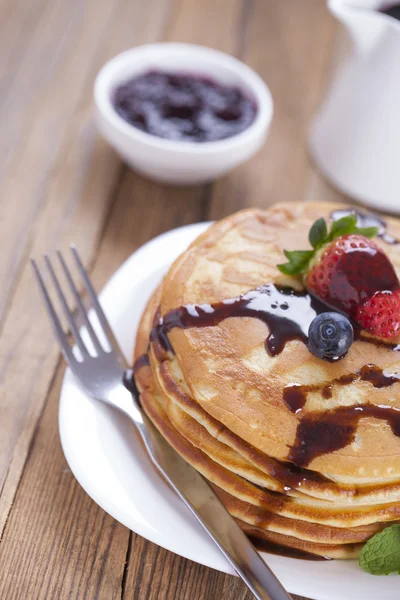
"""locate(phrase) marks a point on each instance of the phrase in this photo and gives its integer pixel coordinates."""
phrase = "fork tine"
(67, 312)
(58, 330)
(93, 298)
(79, 303)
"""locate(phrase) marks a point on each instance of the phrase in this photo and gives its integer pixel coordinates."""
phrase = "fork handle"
(198, 496)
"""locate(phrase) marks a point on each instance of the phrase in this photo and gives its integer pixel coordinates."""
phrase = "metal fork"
(101, 375)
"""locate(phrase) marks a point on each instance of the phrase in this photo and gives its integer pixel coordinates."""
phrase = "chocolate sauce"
(378, 377)
(287, 314)
(295, 395)
(327, 391)
(142, 361)
(128, 379)
(274, 548)
(293, 476)
(324, 432)
(393, 10)
(367, 220)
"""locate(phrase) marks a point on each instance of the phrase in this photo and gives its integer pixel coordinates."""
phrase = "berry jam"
(184, 107)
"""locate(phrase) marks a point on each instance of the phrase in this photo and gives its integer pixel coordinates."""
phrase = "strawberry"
(345, 267)
(349, 271)
(380, 314)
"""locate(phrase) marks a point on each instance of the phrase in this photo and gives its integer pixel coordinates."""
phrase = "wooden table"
(60, 182)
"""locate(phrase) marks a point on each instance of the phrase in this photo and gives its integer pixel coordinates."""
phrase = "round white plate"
(105, 455)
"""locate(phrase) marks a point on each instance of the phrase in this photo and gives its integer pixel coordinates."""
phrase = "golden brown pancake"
(307, 508)
(275, 475)
(217, 397)
(224, 364)
(299, 535)
(325, 550)
(258, 521)
(258, 517)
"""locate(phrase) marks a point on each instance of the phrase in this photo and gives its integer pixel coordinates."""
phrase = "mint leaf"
(298, 261)
(343, 226)
(368, 232)
(289, 269)
(299, 257)
(318, 233)
(381, 554)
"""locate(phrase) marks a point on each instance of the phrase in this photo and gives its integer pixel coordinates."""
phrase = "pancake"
(257, 521)
(260, 518)
(345, 551)
(302, 536)
(225, 363)
(306, 508)
(279, 475)
(217, 396)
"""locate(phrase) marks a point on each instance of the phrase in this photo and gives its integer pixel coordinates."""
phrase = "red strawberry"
(345, 268)
(349, 271)
(380, 315)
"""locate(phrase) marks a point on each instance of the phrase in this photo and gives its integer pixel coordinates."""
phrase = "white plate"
(109, 462)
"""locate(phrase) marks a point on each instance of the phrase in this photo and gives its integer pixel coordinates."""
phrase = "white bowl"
(177, 161)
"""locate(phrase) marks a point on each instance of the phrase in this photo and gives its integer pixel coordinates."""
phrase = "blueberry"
(330, 336)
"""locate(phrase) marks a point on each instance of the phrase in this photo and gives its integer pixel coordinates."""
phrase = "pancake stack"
(276, 435)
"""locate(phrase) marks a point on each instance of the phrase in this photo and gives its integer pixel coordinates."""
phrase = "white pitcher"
(355, 137)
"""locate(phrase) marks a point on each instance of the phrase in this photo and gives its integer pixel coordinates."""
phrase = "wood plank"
(207, 23)
(156, 574)
(59, 114)
(289, 44)
(59, 188)
(58, 543)
(63, 516)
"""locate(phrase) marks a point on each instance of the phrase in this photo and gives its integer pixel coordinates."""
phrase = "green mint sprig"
(381, 554)
(319, 236)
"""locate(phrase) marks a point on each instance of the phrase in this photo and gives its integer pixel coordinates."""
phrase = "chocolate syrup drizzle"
(295, 395)
(142, 361)
(287, 313)
(324, 432)
(128, 379)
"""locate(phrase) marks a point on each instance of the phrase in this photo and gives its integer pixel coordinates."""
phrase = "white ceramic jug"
(355, 137)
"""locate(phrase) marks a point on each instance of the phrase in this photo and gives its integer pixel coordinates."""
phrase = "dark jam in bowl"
(184, 107)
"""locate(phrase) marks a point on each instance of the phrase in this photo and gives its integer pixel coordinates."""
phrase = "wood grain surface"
(59, 182)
